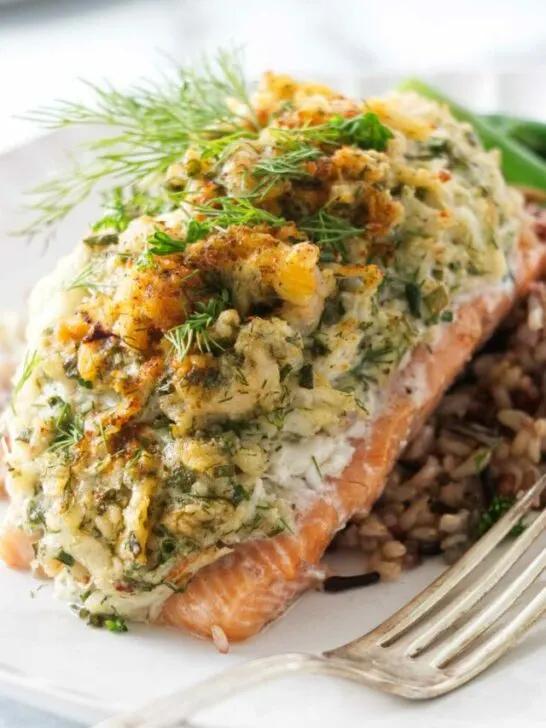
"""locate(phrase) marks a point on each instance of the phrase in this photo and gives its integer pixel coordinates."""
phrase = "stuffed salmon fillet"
(222, 375)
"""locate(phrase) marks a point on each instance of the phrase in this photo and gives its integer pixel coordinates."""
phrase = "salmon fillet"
(247, 589)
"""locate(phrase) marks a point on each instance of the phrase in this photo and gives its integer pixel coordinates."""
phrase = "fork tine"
(480, 622)
(490, 650)
(418, 639)
(428, 599)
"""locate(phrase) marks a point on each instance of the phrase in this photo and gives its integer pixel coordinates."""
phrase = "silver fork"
(407, 655)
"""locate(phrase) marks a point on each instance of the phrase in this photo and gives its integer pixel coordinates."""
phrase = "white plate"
(50, 658)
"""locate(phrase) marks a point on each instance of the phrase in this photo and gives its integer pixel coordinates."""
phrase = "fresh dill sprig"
(151, 127)
(68, 429)
(331, 233)
(222, 212)
(121, 206)
(84, 279)
(289, 165)
(29, 365)
(194, 331)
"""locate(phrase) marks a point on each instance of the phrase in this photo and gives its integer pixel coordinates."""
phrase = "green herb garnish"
(222, 212)
(365, 131)
(29, 365)
(331, 233)
(68, 429)
(193, 332)
(496, 510)
(413, 297)
(306, 378)
(151, 127)
(115, 624)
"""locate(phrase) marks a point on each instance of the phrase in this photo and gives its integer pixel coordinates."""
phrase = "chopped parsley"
(495, 511)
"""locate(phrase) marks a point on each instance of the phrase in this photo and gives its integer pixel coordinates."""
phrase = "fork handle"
(177, 708)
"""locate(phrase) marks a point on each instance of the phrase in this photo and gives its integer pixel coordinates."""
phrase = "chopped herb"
(115, 624)
(379, 355)
(436, 300)
(222, 212)
(193, 332)
(317, 468)
(365, 131)
(290, 165)
(181, 479)
(29, 364)
(102, 240)
(161, 243)
(35, 514)
(122, 205)
(84, 279)
(306, 378)
(68, 429)
(413, 297)
(331, 234)
(85, 383)
(239, 494)
(65, 558)
(284, 371)
(498, 507)
(446, 316)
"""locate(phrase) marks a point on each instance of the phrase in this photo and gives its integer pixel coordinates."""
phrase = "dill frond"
(194, 331)
(331, 234)
(288, 165)
(29, 365)
(222, 212)
(151, 127)
(121, 206)
(68, 429)
(84, 279)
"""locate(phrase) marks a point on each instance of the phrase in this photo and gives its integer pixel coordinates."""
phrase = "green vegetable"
(498, 507)
(520, 166)
(530, 133)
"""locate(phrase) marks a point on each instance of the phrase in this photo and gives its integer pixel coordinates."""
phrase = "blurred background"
(47, 45)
